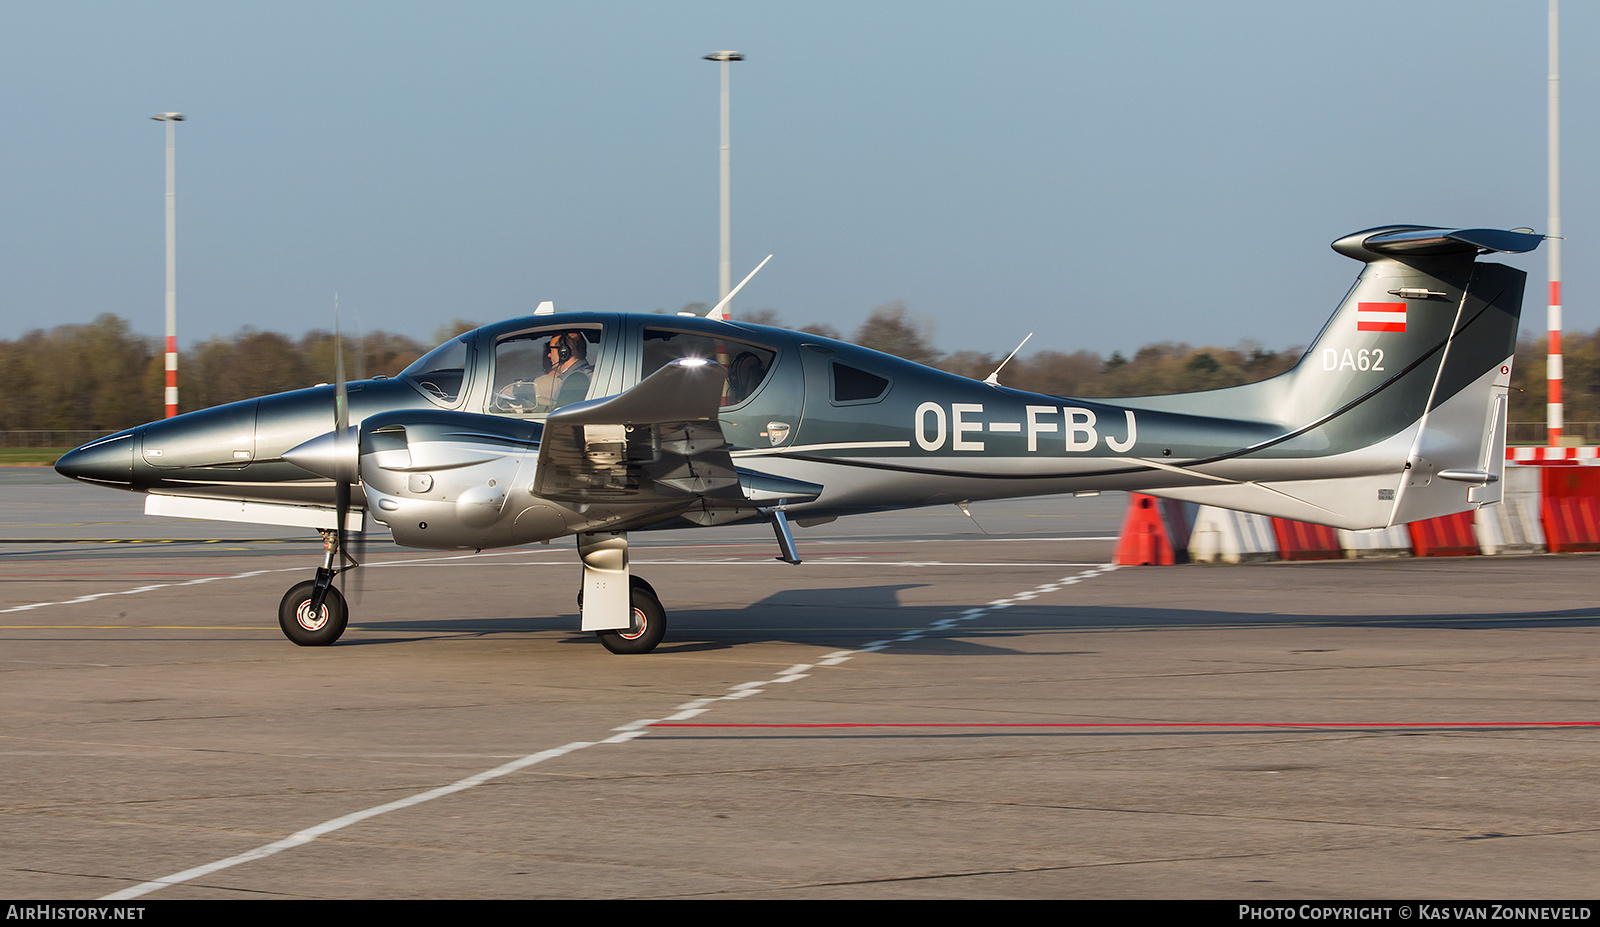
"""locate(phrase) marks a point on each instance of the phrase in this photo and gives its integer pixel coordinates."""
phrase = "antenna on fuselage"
(717, 310)
(545, 308)
(962, 505)
(993, 379)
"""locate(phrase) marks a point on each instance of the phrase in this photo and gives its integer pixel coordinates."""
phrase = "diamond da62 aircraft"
(598, 424)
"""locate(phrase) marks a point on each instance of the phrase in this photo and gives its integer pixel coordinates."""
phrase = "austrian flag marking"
(1380, 317)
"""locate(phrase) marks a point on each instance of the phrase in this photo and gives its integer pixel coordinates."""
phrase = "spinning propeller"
(346, 442)
(345, 452)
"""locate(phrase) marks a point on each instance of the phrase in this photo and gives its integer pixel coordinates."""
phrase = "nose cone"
(331, 455)
(108, 460)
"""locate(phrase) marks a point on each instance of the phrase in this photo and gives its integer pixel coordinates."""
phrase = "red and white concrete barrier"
(1538, 455)
(1226, 536)
(1514, 526)
(1377, 542)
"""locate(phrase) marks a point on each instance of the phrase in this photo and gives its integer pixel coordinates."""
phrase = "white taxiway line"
(138, 589)
(621, 733)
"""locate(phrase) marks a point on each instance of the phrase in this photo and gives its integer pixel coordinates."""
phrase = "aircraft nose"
(108, 460)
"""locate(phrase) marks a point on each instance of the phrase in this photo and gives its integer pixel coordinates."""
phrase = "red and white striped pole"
(171, 119)
(1553, 412)
(172, 376)
(1553, 363)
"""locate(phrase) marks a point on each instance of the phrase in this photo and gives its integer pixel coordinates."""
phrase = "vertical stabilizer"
(1397, 412)
(1423, 322)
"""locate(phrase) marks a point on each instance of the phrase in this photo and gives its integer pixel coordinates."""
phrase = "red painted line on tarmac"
(44, 576)
(1151, 724)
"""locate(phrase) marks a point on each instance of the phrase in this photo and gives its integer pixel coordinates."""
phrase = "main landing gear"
(622, 610)
(314, 613)
(647, 622)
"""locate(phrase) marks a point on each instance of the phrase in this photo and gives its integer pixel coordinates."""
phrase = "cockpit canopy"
(530, 367)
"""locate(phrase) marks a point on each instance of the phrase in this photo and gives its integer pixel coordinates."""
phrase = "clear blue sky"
(1105, 174)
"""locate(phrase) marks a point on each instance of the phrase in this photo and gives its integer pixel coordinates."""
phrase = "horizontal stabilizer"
(1401, 241)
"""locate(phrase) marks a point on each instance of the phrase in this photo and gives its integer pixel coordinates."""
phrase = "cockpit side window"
(539, 371)
(746, 363)
(854, 386)
(442, 372)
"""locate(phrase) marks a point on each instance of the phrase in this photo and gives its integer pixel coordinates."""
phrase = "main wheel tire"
(307, 629)
(648, 622)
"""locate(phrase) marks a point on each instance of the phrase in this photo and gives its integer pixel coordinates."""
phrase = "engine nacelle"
(442, 480)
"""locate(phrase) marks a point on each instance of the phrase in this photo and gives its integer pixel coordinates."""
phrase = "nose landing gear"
(314, 613)
(312, 625)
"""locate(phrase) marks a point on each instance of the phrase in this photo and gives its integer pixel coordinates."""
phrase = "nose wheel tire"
(307, 628)
(647, 622)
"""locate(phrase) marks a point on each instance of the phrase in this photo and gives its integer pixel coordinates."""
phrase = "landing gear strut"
(314, 613)
(622, 610)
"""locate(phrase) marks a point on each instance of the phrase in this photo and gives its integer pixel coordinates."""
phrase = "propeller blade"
(341, 408)
(341, 430)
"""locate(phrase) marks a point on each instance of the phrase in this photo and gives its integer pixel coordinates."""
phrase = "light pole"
(1554, 423)
(171, 119)
(725, 265)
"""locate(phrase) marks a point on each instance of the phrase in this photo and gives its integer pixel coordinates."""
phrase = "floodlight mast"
(171, 119)
(725, 265)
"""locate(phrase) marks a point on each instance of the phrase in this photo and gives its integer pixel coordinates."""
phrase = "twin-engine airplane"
(597, 424)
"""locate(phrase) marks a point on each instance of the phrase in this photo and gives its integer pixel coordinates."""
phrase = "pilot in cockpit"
(565, 380)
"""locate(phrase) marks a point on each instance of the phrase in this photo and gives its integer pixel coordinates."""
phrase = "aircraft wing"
(658, 442)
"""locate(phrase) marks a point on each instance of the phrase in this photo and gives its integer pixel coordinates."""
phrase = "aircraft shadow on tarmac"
(850, 616)
(831, 617)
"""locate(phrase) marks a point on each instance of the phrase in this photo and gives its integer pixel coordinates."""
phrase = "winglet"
(717, 312)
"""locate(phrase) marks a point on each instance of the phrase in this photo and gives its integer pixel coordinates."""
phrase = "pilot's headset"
(570, 343)
(566, 344)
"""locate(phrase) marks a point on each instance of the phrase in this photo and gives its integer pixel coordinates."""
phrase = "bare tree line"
(103, 377)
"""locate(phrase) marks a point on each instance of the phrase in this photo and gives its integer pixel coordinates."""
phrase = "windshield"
(441, 372)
